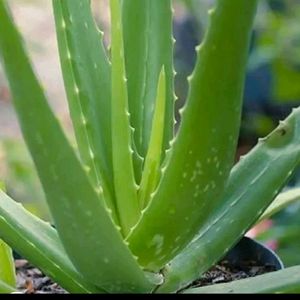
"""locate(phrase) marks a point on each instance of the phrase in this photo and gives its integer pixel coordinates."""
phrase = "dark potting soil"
(226, 272)
(31, 280)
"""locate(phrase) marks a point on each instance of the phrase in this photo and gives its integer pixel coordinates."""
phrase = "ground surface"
(224, 272)
(30, 280)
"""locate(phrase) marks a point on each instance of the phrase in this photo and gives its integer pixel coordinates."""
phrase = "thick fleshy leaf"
(148, 47)
(283, 281)
(39, 243)
(151, 171)
(86, 73)
(83, 223)
(7, 267)
(6, 289)
(124, 179)
(202, 154)
(253, 184)
(281, 201)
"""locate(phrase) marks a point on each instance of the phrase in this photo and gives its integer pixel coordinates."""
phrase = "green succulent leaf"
(148, 46)
(151, 171)
(124, 179)
(7, 267)
(253, 184)
(283, 281)
(281, 201)
(39, 243)
(202, 155)
(6, 289)
(87, 73)
(91, 238)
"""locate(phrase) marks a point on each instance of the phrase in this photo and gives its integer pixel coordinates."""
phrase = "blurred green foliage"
(20, 178)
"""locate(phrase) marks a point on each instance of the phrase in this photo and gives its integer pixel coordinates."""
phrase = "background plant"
(124, 228)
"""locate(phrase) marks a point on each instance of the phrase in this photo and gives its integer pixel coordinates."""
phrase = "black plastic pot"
(248, 249)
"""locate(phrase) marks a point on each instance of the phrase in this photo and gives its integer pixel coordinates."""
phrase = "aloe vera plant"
(139, 208)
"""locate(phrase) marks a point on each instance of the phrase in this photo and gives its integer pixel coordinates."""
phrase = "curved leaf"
(86, 73)
(281, 201)
(39, 243)
(253, 184)
(82, 221)
(198, 166)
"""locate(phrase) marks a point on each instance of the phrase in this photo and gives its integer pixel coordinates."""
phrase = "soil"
(226, 272)
(31, 280)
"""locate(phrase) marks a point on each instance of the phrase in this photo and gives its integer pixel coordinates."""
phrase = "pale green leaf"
(6, 289)
(281, 201)
(124, 179)
(7, 267)
(151, 170)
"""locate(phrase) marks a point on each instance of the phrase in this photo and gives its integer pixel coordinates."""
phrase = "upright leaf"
(91, 239)
(7, 266)
(124, 179)
(151, 171)
(201, 157)
(253, 184)
(148, 46)
(86, 73)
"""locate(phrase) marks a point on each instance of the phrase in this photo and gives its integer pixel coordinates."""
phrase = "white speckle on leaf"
(83, 120)
(76, 89)
(157, 242)
(98, 190)
(106, 260)
(91, 153)
(206, 188)
(213, 185)
(63, 24)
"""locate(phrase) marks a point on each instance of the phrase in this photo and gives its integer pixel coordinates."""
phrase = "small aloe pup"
(138, 208)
